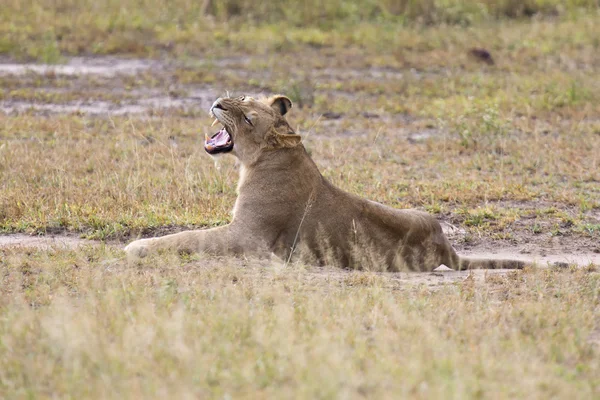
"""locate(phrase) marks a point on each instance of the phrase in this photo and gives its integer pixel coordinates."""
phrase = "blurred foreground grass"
(83, 324)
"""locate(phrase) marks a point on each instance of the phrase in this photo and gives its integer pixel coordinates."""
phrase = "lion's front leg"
(217, 241)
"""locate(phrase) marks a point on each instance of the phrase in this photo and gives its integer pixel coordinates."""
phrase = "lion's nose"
(217, 104)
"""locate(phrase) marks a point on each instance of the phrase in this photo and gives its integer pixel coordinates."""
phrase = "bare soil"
(117, 79)
(44, 242)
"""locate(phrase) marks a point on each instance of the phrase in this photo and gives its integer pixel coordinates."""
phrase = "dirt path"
(102, 66)
(44, 242)
(581, 259)
(541, 258)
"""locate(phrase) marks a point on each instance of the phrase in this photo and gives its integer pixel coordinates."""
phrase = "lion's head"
(251, 125)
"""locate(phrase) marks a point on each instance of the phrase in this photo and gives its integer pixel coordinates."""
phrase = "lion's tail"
(490, 263)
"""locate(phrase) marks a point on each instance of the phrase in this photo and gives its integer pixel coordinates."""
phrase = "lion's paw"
(137, 249)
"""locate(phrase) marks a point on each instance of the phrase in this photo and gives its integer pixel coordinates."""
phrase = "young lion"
(286, 207)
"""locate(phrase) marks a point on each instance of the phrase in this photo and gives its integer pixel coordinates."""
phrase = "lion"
(287, 208)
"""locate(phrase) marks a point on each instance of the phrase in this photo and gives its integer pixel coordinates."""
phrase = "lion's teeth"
(214, 122)
(206, 138)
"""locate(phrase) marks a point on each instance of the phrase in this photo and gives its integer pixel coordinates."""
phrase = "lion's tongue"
(219, 139)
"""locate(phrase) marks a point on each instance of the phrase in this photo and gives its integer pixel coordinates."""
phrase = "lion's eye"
(242, 98)
(247, 120)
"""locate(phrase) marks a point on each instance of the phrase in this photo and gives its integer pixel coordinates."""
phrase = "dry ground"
(107, 148)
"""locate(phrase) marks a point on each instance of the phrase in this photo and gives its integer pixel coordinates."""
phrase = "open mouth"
(220, 142)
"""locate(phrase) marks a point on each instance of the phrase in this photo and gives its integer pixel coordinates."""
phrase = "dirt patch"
(101, 86)
(539, 257)
(542, 249)
(44, 242)
(141, 106)
(104, 66)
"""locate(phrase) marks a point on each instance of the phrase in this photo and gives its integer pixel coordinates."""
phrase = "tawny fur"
(286, 207)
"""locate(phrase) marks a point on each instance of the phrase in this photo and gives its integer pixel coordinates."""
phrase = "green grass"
(47, 29)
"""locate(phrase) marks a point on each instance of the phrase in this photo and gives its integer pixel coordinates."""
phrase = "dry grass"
(111, 178)
(394, 109)
(220, 328)
(522, 131)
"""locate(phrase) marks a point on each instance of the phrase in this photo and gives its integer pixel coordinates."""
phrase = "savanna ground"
(106, 145)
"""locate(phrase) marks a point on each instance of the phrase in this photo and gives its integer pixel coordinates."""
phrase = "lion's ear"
(289, 139)
(276, 140)
(280, 104)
